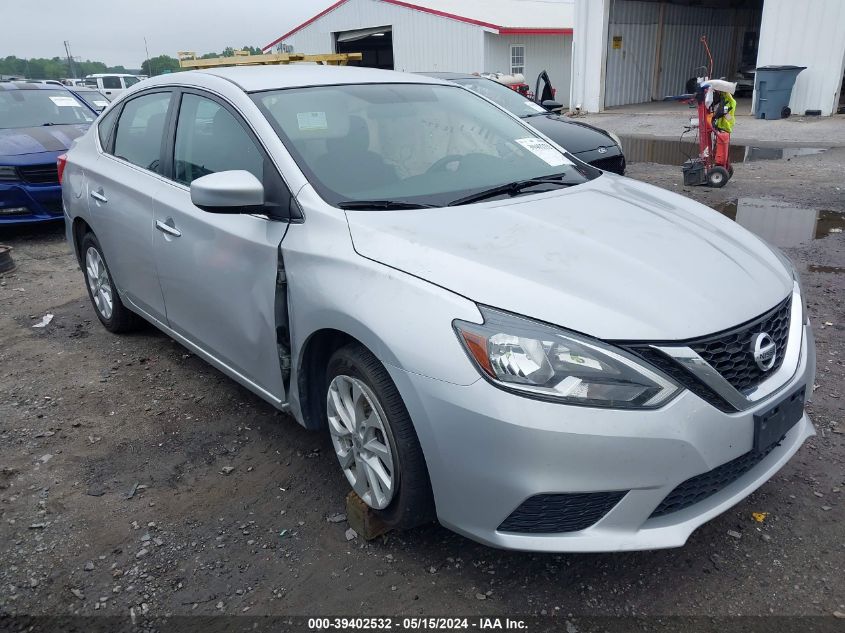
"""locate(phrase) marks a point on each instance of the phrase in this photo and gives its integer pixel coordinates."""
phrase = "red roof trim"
(529, 31)
(502, 30)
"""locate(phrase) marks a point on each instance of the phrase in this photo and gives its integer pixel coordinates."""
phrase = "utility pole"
(149, 63)
(69, 60)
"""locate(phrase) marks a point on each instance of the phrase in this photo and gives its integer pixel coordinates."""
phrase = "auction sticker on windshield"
(65, 102)
(544, 151)
(311, 120)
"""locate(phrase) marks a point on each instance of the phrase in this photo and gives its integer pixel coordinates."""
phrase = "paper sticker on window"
(311, 120)
(544, 151)
(65, 102)
(100, 104)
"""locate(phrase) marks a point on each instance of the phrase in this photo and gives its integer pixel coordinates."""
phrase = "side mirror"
(234, 191)
(550, 105)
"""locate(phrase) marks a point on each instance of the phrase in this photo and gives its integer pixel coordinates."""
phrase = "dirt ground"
(113, 494)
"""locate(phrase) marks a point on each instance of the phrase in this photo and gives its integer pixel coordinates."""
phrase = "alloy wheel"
(360, 439)
(98, 282)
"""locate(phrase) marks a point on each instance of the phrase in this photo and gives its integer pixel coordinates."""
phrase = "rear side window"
(111, 83)
(210, 139)
(105, 127)
(140, 129)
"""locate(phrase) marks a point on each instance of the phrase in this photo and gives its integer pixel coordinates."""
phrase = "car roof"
(23, 85)
(95, 75)
(272, 77)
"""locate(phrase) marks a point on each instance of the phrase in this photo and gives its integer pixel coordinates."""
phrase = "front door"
(218, 271)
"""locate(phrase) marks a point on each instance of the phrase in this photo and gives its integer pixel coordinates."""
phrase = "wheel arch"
(79, 229)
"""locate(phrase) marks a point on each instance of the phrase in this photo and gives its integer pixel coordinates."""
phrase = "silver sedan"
(495, 334)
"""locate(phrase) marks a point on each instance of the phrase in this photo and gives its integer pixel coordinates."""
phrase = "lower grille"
(707, 484)
(39, 174)
(616, 164)
(555, 513)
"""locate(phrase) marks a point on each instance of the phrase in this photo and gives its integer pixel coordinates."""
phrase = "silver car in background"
(540, 355)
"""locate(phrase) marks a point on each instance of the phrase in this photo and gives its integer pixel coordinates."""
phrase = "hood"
(612, 258)
(35, 140)
(573, 136)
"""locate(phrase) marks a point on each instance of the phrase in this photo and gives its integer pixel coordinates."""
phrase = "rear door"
(111, 86)
(218, 272)
(126, 179)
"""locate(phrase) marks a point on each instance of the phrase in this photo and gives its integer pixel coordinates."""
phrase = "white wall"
(421, 41)
(809, 33)
(552, 53)
(589, 50)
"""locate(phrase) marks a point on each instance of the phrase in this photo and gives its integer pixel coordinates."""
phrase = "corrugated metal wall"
(630, 70)
(552, 53)
(812, 34)
(421, 41)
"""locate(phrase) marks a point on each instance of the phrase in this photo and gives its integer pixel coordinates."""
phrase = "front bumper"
(488, 451)
(42, 203)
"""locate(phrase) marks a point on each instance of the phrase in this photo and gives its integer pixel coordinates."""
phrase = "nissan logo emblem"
(764, 350)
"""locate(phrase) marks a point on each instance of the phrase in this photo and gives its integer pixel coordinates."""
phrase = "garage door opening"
(653, 48)
(375, 44)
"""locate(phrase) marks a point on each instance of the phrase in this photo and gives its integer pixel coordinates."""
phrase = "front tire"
(114, 316)
(374, 439)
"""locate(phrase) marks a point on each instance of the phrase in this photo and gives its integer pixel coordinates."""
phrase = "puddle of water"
(833, 270)
(781, 223)
(674, 152)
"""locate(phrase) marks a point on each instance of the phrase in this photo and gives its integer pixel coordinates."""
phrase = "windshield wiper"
(383, 205)
(511, 189)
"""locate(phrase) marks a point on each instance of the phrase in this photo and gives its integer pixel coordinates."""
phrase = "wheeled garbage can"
(772, 90)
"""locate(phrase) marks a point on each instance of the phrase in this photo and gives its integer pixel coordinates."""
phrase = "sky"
(113, 31)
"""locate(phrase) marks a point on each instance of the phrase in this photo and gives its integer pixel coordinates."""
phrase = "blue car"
(38, 123)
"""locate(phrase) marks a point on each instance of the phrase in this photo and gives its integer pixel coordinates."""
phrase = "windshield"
(509, 99)
(424, 144)
(33, 108)
(94, 98)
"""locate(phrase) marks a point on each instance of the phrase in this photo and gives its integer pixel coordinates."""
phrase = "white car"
(111, 84)
(541, 355)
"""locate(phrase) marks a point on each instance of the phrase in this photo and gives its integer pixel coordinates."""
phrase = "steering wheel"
(440, 164)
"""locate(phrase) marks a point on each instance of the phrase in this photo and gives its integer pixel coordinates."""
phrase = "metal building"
(632, 51)
(508, 36)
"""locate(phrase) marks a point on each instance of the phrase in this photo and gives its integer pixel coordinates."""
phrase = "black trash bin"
(773, 88)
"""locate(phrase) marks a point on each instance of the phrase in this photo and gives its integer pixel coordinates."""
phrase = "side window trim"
(164, 137)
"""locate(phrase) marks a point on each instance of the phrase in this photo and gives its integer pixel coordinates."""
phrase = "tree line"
(59, 67)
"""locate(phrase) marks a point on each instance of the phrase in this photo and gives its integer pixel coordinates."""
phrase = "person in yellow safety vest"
(724, 111)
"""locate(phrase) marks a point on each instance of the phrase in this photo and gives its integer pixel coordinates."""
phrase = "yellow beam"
(332, 59)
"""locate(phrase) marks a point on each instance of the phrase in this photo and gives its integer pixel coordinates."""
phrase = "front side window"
(36, 107)
(140, 130)
(111, 83)
(130, 81)
(210, 139)
(517, 59)
(420, 143)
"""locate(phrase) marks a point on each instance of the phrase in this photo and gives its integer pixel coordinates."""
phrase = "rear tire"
(374, 439)
(102, 292)
(717, 177)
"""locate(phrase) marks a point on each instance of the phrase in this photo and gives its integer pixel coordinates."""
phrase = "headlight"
(615, 138)
(8, 174)
(532, 358)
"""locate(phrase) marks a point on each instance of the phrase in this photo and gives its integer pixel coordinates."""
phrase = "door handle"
(99, 196)
(164, 227)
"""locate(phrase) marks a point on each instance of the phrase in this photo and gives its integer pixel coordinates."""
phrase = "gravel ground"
(116, 491)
